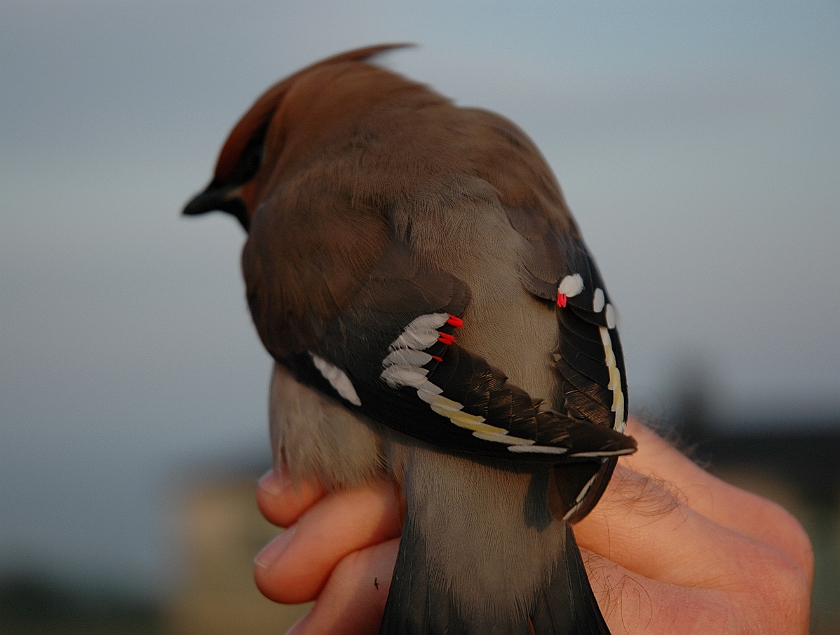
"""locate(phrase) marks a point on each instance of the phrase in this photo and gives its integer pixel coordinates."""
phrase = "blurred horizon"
(697, 144)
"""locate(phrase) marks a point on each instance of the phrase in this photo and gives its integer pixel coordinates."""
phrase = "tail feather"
(419, 603)
(568, 605)
(481, 553)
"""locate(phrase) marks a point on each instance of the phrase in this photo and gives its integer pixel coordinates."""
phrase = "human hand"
(669, 549)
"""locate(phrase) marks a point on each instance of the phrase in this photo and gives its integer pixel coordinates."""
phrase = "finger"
(281, 502)
(353, 601)
(720, 502)
(703, 492)
(633, 604)
(296, 565)
(645, 528)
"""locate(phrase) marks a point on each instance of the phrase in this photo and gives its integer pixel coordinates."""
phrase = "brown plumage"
(413, 265)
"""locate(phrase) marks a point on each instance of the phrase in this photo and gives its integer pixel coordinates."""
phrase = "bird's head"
(244, 168)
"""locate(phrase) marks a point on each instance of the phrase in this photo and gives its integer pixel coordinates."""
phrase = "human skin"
(669, 549)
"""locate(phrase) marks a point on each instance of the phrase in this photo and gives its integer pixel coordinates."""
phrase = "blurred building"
(221, 532)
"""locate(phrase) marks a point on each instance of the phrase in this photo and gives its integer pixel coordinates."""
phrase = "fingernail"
(272, 551)
(272, 482)
(275, 482)
(300, 625)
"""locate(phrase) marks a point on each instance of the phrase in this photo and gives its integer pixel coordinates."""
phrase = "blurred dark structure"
(795, 463)
(806, 455)
(31, 605)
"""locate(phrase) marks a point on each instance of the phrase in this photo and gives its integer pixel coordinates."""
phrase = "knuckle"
(779, 599)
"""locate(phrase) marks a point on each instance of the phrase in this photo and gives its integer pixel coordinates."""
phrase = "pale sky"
(698, 145)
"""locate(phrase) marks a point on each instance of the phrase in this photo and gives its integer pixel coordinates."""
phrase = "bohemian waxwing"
(434, 315)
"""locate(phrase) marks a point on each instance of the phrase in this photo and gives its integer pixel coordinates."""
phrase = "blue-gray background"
(698, 144)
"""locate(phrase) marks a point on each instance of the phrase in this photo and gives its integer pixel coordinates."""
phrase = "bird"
(435, 318)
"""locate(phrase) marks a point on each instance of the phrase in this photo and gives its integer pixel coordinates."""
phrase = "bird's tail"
(420, 603)
(482, 554)
(568, 604)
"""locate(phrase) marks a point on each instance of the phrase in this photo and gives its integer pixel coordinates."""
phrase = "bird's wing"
(557, 267)
(394, 355)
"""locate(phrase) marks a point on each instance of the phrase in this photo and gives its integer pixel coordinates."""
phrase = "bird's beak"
(219, 198)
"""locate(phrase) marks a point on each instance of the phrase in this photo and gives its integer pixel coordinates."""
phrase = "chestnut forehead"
(256, 117)
(264, 108)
